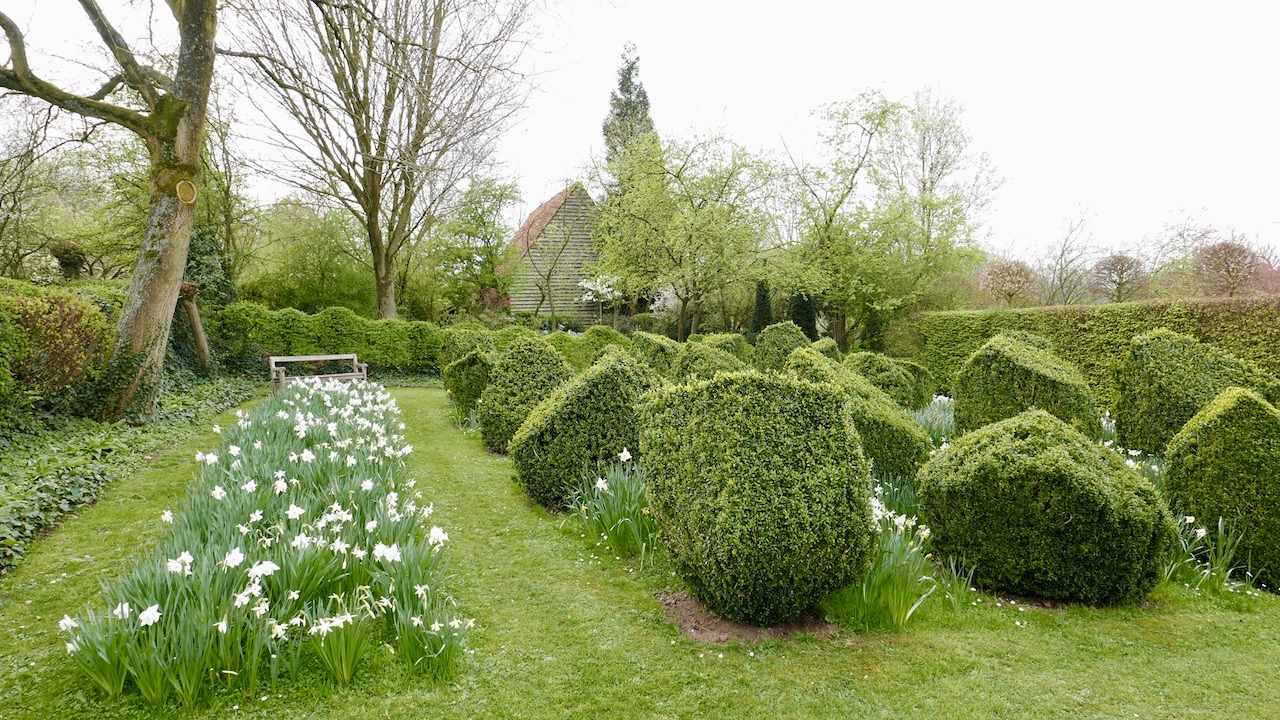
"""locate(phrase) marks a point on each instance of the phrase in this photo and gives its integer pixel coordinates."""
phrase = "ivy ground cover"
(565, 630)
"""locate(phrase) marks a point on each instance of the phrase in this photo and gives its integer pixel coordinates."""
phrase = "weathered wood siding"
(566, 235)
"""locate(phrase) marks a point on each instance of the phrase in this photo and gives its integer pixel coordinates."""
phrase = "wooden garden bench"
(279, 378)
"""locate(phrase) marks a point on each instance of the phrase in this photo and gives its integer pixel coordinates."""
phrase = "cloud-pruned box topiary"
(1037, 508)
(828, 347)
(466, 378)
(504, 336)
(589, 419)
(462, 338)
(894, 442)
(1164, 378)
(699, 361)
(775, 343)
(884, 373)
(565, 343)
(1225, 463)
(924, 384)
(760, 491)
(1009, 374)
(527, 372)
(659, 351)
(594, 340)
(733, 343)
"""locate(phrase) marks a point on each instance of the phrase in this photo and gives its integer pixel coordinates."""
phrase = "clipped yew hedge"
(699, 361)
(587, 420)
(466, 378)
(659, 351)
(894, 442)
(884, 373)
(1225, 463)
(1163, 378)
(1012, 373)
(1091, 337)
(458, 340)
(735, 344)
(775, 343)
(760, 491)
(523, 376)
(1037, 508)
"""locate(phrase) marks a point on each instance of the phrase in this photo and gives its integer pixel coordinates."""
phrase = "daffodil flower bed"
(300, 537)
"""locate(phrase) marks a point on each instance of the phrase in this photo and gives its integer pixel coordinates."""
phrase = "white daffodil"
(625, 455)
(438, 536)
(149, 616)
(121, 611)
(67, 624)
(166, 517)
(233, 558)
(294, 512)
(217, 492)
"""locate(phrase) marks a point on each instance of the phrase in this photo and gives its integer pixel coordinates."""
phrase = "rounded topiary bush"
(884, 373)
(659, 351)
(733, 343)
(466, 378)
(504, 336)
(1037, 508)
(1164, 378)
(759, 489)
(776, 342)
(529, 371)
(1225, 463)
(1008, 375)
(894, 442)
(589, 419)
(458, 340)
(924, 385)
(828, 347)
(564, 343)
(698, 361)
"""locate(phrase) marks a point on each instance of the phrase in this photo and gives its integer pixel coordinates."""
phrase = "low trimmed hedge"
(466, 378)
(699, 361)
(775, 343)
(522, 377)
(1163, 378)
(244, 334)
(1009, 374)
(587, 420)
(659, 351)
(760, 491)
(885, 374)
(1225, 462)
(1036, 508)
(1092, 337)
(894, 442)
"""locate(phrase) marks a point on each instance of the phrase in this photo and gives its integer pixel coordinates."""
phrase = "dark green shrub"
(1225, 463)
(659, 351)
(1008, 375)
(699, 361)
(564, 343)
(884, 373)
(1164, 378)
(13, 401)
(529, 371)
(387, 344)
(775, 343)
(337, 330)
(1092, 337)
(760, 491)
(1037, 508)
(828, 347)
(466, 378)
(587, 420)
(924, 385)
(594, 340)
(503, 337)
(732, 343)
(458, 340)
(894, 442)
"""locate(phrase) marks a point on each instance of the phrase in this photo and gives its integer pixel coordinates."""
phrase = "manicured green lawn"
(563, 634)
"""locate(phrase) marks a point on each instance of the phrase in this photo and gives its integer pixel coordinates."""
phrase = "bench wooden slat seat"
(280, 378)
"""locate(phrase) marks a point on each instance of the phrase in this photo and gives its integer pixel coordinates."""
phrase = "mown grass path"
(562, 634)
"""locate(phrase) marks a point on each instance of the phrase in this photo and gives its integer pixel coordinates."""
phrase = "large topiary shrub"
(595, 339)
(1008, 374)
(659, 351)
(733, 343)
(589, 419)
(698, 361)
(1037, 508)
(466, 378)
(884, 373)
(760, 491)
(1164, 378)
(894, 442)
(924, 385)
(776, 342)
(529, 371)
(458, 340)
(1225, 463)
(828, 347)
(504, 336)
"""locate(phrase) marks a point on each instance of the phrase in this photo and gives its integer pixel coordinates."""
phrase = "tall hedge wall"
(1093, 337)
(244, 334)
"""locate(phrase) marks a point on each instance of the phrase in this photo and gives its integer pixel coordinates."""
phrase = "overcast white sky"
(1133, 113)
